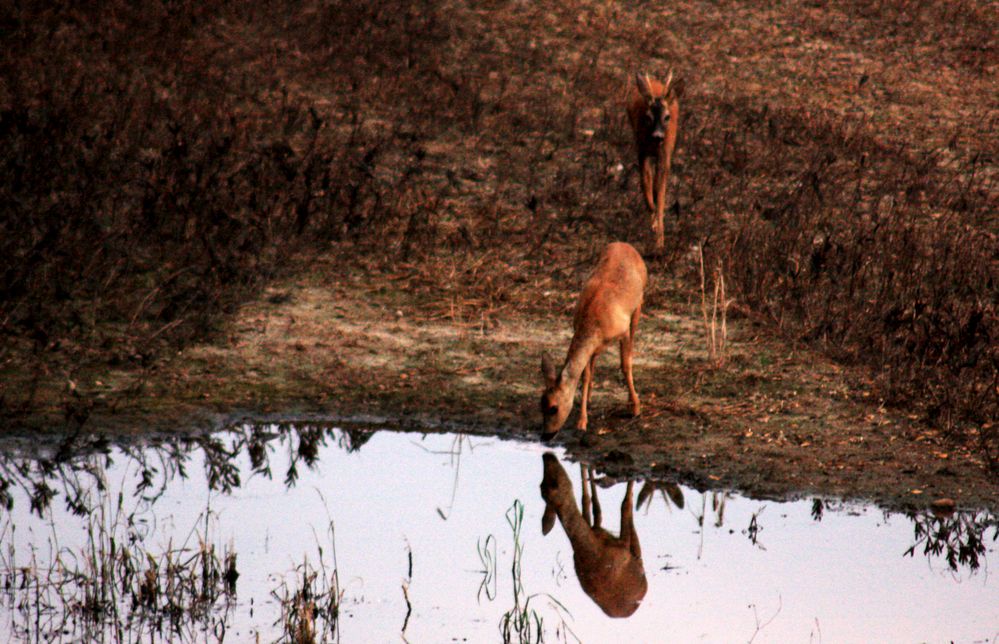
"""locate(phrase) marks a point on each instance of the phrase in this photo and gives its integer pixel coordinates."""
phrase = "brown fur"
(608, 309)
(655, 156)
(609, 568)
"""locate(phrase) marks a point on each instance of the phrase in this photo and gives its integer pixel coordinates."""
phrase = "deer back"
(612, 293)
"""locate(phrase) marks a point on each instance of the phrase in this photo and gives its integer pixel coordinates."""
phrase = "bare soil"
(335, 341)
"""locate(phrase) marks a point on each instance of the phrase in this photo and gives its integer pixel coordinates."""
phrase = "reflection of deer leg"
(597, 514)
(628, 534)
(587, 517)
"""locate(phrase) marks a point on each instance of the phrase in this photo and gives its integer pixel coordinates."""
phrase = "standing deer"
(608, 310)
(609, 568)
(654, 112)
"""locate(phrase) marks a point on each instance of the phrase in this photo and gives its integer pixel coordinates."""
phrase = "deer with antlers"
(654, 112)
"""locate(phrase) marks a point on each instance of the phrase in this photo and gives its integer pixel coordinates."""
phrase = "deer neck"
(581, 349)
(576, 528)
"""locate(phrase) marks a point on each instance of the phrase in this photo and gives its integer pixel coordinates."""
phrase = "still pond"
(272, 532)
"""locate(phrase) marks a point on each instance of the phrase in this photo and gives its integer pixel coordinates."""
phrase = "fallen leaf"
(943, 504)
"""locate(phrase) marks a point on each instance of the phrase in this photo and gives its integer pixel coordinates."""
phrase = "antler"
(669, 79)
(644, 85)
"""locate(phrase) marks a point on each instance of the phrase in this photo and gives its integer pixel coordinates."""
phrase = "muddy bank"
(772, 421)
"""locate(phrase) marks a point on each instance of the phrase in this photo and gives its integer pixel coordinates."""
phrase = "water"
(435, 515)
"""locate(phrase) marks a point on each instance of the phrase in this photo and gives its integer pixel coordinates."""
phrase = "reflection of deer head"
(609, 568)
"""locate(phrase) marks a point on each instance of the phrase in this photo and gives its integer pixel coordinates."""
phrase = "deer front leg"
(597, 512)
(662, 182)
(647, 170)
(592, 366)
(587, 383)
(627, 345)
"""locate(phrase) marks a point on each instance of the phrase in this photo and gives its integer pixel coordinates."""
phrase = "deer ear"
(548, 519)
(548, 369)
(645, 494)
(677, 87)
(675, 495)
(642, 83)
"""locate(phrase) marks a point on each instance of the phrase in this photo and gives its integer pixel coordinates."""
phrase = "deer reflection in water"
(609, 568)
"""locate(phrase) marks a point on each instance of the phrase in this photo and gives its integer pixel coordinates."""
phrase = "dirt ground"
(773, 420)
(345, 337)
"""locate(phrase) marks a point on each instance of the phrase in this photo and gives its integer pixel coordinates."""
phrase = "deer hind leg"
(627, 348)
(628, 534)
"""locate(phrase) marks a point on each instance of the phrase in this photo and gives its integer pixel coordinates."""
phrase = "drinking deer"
(609, 568)
(654, 112)
(608, 309)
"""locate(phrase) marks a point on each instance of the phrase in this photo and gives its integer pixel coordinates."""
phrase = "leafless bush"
(715, 326)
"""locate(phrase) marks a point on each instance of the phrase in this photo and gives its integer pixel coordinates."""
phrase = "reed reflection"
(609, 568)
(73, 469)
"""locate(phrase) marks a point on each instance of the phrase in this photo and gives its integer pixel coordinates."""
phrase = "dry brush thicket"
(162, 160)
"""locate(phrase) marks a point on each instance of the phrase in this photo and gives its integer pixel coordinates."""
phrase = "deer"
(654, 113)
(608, 309)
(609, 568)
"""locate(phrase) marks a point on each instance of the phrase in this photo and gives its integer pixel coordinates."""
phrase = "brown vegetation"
(162, 161)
